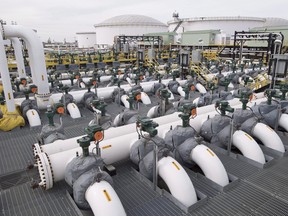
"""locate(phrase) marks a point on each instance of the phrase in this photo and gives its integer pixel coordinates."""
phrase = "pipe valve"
(147, 125)
(223, 107)
(188, 110)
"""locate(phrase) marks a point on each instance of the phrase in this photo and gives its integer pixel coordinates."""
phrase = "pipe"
(283, 121)
(177, 181)
(200, 88)
(180, 91)
(73, 110)
(268, 137)
(208, 161)
(103, 200)
(33, 118)
(8, 93)
(36, 52)
(19, 57)
(248, 146)
(152, 111)
(145, 98)
(196, 123)
(101, 92)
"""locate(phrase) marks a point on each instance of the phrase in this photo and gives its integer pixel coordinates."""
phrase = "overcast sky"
(59, 19)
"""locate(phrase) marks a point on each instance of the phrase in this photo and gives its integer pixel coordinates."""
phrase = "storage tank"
(127, 25)
(86, 39)
(227, 24)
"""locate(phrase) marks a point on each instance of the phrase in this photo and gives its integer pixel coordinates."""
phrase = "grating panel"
(159, 206)
(241, 200)
(22, 200)
(273, 207)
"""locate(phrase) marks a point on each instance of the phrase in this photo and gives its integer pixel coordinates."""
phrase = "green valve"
(84, 143)
(188, 110)
(100, 105)
(58, 108)
(147, 125)
(245, 98)
(224, 107)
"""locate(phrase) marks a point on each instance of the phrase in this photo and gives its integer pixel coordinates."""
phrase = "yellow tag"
(33, 113)
(42, 77)
(9, 96)
(248, 136)
(210, 152)
(108, 146)
(177, 167)
(107, 195)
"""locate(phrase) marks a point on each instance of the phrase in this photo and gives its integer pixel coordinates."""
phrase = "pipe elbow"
(210, 164)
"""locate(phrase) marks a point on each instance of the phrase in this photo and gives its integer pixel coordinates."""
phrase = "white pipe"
(180, 91)
(19, 57)
(268, 137)
(103, 200)
(101, 92)
(283, 121)
(200, 88)
(196, 123)
(73, 110)
(248, 146)
(33, 118)
(35, 48)
(7, 87)
(210, 164)
(125, 101)
(145, 98)
(152, 111)
(177, 181)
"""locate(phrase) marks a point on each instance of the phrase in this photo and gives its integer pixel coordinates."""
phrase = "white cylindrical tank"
(227, 24)
(86, 39)
(126, 25)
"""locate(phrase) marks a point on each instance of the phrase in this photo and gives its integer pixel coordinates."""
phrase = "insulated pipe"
(268, 137)
(19, 57)
(103, 200)
(8, 93)
(248, 146)
(283, 121)
(73, 110)
(33, 118)
(210, 164)
(177, 180)
(36, 52)
(196, 123)
(101, 92)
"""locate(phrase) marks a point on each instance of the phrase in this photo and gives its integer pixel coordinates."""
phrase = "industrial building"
(86, 39)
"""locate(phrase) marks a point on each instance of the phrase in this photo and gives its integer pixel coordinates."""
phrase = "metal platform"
(258, 192)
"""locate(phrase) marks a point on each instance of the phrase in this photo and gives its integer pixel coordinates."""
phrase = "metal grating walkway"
(23, 201)
(138, 198)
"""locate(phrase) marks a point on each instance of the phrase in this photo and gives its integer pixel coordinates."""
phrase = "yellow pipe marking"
(42, 77)
(248, 136)
(107, 146)
(107, 195)
(177, 167)
(210, 152)
(9, 96)
(33, 113)
(269, 127)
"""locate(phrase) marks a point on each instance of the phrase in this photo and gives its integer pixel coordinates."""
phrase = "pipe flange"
(37, 149)
(45, 171)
